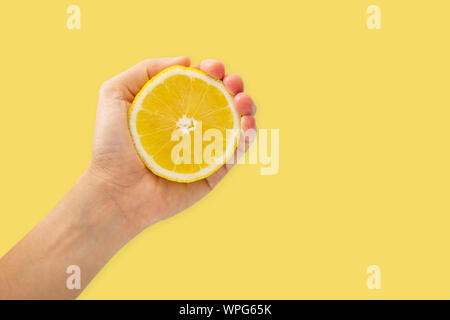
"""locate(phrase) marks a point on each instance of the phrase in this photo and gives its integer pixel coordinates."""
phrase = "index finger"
(134, 78)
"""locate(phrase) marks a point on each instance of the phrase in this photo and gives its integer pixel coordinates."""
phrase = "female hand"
(142, 196)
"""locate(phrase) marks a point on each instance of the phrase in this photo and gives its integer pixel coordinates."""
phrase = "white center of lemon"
(186, 124)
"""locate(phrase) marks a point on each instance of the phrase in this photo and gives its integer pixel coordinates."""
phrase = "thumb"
(134, 78)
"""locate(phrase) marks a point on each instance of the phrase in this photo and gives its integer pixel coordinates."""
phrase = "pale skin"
(116, 197)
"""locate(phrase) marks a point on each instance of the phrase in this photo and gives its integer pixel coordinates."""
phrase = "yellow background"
(364, 143)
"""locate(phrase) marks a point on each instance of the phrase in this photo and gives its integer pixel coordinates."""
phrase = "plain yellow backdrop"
(364, 143)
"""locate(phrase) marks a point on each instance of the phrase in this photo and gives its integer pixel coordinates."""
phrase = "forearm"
(85, 229)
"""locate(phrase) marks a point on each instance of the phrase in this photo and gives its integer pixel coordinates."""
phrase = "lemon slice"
(183, 124)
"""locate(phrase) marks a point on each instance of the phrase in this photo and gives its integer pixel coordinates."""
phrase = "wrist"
(100, 210)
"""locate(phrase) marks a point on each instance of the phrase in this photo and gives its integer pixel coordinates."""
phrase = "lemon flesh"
(183, 104)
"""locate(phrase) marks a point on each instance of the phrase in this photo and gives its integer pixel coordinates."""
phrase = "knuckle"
(106, 86)
(110, 90)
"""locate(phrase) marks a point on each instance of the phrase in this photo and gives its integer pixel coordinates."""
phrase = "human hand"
(143, 197)
(115, 199)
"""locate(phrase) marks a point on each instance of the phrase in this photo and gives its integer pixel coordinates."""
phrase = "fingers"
(247, 123)
(134, 78)
(233, 83)
(244, 104)
(214, 68)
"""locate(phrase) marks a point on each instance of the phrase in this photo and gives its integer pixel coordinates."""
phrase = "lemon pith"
(190, 101)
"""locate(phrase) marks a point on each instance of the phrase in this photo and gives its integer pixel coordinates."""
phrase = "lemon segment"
(183, 124)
